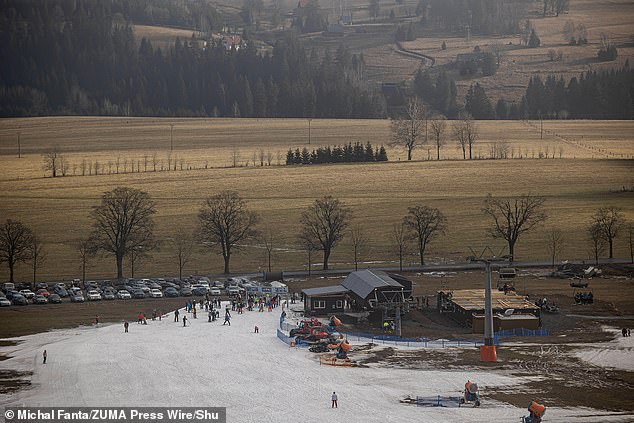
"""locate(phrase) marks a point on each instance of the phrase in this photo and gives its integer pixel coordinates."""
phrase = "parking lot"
(76, 291)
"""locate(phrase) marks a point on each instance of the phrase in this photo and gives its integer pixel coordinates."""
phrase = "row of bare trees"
(123, 227)
(56, 164)
(416, 128)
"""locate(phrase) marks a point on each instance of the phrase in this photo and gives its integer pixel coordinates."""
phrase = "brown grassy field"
(379, 194)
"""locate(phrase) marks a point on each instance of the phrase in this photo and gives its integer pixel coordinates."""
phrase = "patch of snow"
(617, 354)
(256, 376)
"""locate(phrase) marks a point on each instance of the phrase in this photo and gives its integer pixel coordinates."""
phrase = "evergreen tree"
(478, 104)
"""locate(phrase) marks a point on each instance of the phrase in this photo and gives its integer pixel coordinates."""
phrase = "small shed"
(325, 300)
(463, 304)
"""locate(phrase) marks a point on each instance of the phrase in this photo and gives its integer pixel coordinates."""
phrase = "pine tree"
(369, 153)
(382, 156)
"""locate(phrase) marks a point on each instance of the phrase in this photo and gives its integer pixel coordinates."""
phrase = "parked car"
(41, 285)
(77, 298)
(43, 292)
(19, 299)
(170, 292)
(4, 302)
(11, 293)
(123, 295)
(199, 291)
(54, 299)
(59, 284)
(60, 291)
(214, 291)
(27, 293)
(75, 291)
(40, 299)
(8, 286)
(137, 293)
(186, 292)
(93, 295)
(156, 293)
(108, 294)
(233, 290)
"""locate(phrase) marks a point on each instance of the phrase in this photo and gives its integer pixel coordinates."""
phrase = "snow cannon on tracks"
(471, 394)
(536, 412)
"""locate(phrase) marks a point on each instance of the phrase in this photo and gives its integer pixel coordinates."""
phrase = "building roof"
(473, 299)
(363, 282)
(325, 290)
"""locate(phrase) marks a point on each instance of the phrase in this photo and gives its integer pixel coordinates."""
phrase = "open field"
(379, 194)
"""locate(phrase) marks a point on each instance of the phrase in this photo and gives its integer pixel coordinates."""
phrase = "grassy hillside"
(587, 177)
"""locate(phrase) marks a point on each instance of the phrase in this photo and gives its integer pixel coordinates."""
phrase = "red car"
(43, 292)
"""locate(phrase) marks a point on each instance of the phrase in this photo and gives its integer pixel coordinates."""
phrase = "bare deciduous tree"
(183, 244)
(438, 127)
(53, 161)
(424, 224)
(359, 244)
(399, 239)
(555, 244)
(37, 255)
(609, 220)
(597, 241)
(225, 221)
(465, 132)
(308, 245)
(324, 224)
(86, 250)
(269, 157)
(512, 218)
(409, 130)
(124, 222)
(15, 243)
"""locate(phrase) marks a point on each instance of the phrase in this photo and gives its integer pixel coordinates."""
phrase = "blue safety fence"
(413, 342)
(520, 332)
(288, 339)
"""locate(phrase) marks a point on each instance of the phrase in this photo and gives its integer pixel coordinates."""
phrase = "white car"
(123, 295)
(214, 291)
(156, 293)
(4, 302)
(27, 293)
(93, 295)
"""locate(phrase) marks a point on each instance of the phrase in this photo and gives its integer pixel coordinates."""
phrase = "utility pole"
(541, 127)
(309, 120)
(171, 137)
(19, 148)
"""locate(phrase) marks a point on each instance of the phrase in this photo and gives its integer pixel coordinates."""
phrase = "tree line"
(123, 228)
(592, 95)
(81, 60)
(348, 153)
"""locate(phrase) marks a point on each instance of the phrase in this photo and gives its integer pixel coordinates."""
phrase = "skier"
(227, 318)
(184, 321)
(257, 330)
(44, 357)
(125, 326)
(176, 315)
(194, 311)
(97, 320)
(334, 400)
(209, 316)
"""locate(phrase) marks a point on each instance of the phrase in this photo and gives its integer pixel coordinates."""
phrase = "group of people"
(625, 332)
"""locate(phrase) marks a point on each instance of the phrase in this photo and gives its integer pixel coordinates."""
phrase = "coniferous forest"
(61, 57)
(81, 58)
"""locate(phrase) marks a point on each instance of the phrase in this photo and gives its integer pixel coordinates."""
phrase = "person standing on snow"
(334, 400)
(125, 326)
(44, 355)
(176, 315)
(184, 321)
(227, 318)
